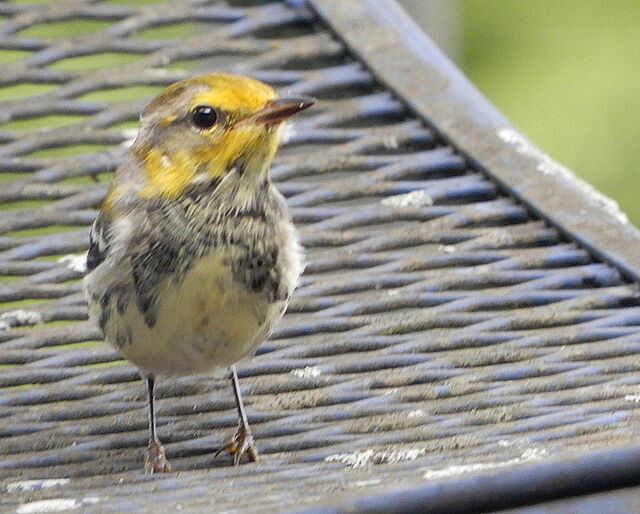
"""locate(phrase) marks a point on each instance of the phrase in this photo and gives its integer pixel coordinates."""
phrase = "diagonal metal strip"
(442, 330)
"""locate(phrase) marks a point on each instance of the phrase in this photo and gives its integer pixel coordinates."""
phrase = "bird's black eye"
(204, 116)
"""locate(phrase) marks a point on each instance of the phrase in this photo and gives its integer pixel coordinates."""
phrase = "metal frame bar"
(510, 488)
(403, 58)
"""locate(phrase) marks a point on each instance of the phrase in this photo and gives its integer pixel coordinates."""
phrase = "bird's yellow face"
(203, 128)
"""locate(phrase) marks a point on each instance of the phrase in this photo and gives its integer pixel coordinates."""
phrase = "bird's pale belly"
(205, 321)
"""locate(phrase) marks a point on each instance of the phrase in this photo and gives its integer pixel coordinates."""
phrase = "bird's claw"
(241, 444)
(155, 460)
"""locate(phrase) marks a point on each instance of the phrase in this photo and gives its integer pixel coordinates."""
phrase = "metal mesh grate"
(439, 328)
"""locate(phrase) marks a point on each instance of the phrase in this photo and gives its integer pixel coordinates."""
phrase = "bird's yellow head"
(202, 128)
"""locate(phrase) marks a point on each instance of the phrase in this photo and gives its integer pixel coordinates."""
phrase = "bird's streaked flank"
(193, 256)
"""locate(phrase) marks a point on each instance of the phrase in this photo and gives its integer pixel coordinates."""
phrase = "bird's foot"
(155, 460)
(241, 444)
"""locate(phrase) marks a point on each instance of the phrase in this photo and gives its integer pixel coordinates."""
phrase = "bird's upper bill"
(277, 111)
(207, 126)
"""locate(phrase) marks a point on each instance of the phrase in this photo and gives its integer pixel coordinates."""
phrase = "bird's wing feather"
(98, 242)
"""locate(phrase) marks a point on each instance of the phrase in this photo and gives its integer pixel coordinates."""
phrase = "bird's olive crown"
(208, 101)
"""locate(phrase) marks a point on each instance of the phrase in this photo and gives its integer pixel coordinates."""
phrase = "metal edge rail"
(508, 488)
(403, 58)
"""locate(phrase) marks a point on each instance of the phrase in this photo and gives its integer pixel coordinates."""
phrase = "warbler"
(193, 256)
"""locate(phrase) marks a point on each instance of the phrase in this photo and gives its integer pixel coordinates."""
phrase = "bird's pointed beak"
(278, 110)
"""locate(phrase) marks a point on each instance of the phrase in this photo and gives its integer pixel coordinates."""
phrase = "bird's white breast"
(206, 320)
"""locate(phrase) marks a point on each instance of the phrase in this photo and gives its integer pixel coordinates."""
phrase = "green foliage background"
(567, 74)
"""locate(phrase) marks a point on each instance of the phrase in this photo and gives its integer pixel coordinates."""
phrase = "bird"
(193, 256)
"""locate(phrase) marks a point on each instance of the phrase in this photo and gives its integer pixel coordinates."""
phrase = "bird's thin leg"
(242, 442)
(155, 460)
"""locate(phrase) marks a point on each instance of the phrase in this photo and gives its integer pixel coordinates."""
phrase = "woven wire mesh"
(439, 327)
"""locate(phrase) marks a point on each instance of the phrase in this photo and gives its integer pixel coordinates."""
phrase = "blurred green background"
(567, 73)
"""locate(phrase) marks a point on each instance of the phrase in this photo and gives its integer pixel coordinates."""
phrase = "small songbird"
(193, 256)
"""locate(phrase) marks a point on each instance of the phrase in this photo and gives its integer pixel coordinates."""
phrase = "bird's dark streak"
(253, 212)
(105, 314)
(240, 167)
(196, 191)
(98, 243)
(94, 257)
(175, 241)
(123, 338)
(122, 302)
